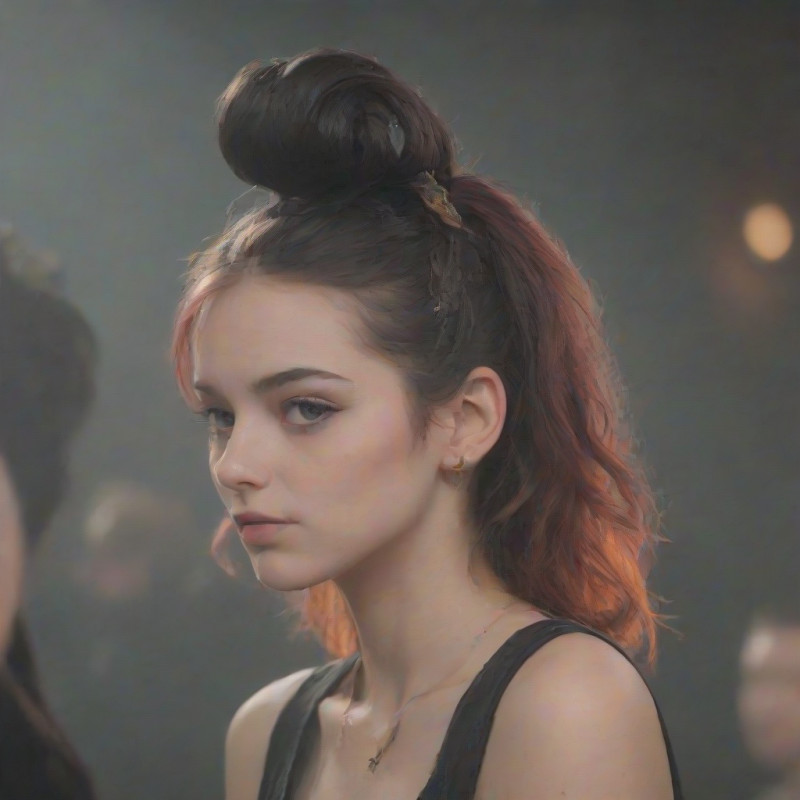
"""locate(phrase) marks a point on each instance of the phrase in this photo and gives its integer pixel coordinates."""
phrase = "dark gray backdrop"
(641, 132)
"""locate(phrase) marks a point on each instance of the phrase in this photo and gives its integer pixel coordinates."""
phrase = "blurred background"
(659, 141)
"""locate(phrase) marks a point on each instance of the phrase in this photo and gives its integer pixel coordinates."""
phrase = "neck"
(418, 606)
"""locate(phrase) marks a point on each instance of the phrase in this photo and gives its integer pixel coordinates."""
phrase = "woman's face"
(332, 454)
(12, 553)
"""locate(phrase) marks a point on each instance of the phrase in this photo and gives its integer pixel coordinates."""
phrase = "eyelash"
(205, 416)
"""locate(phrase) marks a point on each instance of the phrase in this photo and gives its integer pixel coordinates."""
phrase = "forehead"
(264, 322)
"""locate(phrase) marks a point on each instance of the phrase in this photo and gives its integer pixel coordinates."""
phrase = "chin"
(278, 573)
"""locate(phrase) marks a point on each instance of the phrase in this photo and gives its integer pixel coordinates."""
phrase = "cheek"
(371, 470)
(212, 460)
(215, 452)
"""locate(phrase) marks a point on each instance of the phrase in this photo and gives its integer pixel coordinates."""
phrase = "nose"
(241, 464)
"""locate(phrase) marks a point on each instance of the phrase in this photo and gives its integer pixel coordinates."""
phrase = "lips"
(259, 530)
(242, 520)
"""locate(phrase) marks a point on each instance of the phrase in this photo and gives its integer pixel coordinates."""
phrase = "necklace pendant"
(376, 759)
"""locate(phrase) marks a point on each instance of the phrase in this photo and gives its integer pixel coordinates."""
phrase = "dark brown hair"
(563, 508)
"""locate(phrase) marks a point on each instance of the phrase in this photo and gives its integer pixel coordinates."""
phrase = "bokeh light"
(768, 231)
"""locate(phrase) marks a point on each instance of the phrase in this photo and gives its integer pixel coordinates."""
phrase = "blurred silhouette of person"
(47, 362)
(769, 703)
(139, 676)
(128, 544)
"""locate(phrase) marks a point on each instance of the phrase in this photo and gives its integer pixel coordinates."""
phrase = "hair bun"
(322, 124)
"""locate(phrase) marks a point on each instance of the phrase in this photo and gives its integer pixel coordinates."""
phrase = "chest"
(337, 764)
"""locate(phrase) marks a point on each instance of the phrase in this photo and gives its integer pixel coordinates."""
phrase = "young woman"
(414, 419)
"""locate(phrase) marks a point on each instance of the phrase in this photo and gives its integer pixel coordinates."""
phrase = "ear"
(474, 418)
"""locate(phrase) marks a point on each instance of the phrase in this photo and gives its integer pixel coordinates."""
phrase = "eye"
(216, 419)
(310, 410)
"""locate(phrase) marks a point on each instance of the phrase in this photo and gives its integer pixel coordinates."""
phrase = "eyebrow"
(272, 382)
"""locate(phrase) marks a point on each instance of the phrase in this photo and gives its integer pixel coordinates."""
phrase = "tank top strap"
(283, 753)
(458, 764)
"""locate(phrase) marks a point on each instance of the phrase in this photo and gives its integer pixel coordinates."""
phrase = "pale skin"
(11, 556)
(380, 515)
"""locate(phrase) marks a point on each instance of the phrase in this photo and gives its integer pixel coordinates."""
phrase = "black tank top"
(458, 764)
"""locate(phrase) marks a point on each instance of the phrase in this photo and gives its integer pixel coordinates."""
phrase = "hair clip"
(434, 196)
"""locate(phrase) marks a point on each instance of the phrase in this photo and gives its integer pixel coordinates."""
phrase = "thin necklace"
(372, 764)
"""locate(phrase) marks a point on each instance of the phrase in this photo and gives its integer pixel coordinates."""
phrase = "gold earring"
(458, 467)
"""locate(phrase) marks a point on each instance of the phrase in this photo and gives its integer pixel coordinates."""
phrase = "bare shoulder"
(249, 734)
(577, 720)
